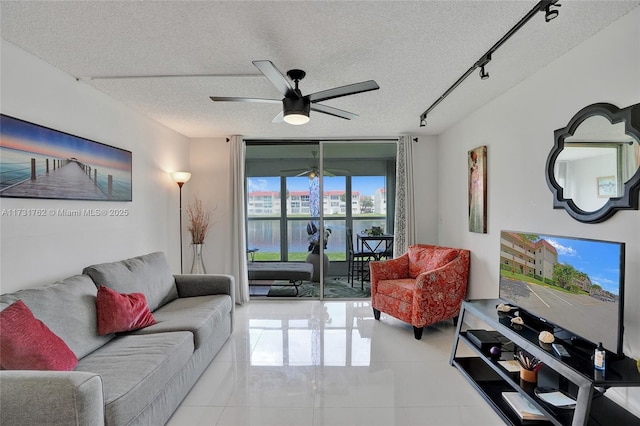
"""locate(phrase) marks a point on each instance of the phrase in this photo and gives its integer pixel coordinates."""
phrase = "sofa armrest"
(51, 397)
(204, 285)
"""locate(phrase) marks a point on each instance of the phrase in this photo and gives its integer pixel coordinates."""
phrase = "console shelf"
(574, 375)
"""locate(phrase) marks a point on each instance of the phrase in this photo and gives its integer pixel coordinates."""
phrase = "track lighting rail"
(542, 6)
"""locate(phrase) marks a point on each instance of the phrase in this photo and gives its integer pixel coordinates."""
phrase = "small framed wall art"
(477, 168)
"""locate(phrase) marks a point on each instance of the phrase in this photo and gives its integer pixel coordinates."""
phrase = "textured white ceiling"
(415, 50)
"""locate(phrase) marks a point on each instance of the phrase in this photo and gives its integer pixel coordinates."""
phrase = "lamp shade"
(296, 110)
(181, 177)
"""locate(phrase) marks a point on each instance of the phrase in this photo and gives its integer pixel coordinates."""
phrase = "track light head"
(483, 74)
(549, 13)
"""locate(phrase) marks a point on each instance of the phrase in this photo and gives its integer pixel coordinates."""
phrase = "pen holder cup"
(530, 376)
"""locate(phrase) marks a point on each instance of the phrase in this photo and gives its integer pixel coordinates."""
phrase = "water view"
(264, 234)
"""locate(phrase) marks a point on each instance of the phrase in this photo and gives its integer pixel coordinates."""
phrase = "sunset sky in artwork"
(24, 136)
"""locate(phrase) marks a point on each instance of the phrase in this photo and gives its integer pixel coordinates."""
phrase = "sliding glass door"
(301, 199)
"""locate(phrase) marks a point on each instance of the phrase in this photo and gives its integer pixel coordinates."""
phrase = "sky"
(23, 136)
(366, 185)
(600, 260)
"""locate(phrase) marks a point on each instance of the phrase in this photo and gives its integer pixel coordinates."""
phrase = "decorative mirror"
(593, 169)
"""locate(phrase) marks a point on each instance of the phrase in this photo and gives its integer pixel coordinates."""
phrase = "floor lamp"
(181, 178)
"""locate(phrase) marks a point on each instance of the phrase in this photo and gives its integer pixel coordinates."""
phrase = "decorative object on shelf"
(477, 166)
(556, 397)
(199, 221)
(546, 337)
(505, 308)
(495, 352)
(529, 367)
(181, 178)
(599, 358)
(611, 136)
(522, 407)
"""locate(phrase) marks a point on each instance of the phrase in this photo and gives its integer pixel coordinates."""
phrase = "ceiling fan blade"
(333, 111)
(278, 118)
(306, 172)
(294, 170)
(235, 99)
(276, 78)
(350, 89)
(337, 171)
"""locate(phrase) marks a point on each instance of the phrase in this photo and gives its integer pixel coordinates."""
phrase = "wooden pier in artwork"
(72, 180)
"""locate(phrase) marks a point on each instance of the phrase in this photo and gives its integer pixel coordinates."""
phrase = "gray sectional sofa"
(134, 378)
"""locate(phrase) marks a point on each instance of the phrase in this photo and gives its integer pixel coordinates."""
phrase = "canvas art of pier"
(38, 162)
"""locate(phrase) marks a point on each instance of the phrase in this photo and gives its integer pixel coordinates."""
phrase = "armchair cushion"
(424, 257)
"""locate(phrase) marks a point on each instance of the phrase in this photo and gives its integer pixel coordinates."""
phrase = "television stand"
(576, 377)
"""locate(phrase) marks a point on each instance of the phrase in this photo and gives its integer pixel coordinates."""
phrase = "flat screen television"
(574, 285)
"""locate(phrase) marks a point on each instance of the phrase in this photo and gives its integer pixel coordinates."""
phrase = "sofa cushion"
(149, 274)
(135, 369)
(26, 343)
(424, 258)
(199, 315)
(119, 312)
(68, 308)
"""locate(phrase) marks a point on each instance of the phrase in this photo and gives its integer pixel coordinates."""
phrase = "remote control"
(560, 350)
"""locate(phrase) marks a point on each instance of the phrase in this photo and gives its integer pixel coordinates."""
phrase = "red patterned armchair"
(423, 286)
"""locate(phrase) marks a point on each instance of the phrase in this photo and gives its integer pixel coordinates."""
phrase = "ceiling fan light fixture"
(296, 110)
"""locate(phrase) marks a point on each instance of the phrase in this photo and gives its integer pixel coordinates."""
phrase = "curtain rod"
(484, 60)
(315, 141)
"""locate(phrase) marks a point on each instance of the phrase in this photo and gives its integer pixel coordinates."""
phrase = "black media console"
(574, 376)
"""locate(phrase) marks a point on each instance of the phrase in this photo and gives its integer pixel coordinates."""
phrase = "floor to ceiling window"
(301, 199)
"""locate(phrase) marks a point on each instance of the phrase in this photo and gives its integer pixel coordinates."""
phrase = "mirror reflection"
(595, 162)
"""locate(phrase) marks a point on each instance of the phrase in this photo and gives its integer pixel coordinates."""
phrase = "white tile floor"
(330, 363)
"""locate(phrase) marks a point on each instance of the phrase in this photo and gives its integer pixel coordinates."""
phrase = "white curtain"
(237, 262)
(405, 218)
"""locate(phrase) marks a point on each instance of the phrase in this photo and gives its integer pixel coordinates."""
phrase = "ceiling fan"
(295, 106)
(313, 171)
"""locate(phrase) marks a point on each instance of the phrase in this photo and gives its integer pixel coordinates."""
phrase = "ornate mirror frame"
(630, 116)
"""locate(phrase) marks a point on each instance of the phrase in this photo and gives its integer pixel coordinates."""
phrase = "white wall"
(209, 182)
(518, 131)
(426, 180)
(40, 250)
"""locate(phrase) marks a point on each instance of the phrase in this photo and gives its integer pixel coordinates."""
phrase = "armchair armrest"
(391, 269)
(189, 285)
(51, 397)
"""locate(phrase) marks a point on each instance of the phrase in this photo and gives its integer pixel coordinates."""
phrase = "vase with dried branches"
(199, 221)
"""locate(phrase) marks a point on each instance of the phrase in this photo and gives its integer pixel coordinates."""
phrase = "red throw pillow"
(121, 312)
(26, 343)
